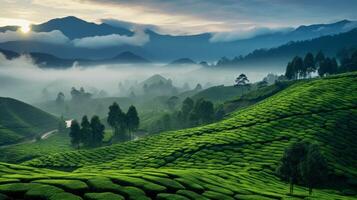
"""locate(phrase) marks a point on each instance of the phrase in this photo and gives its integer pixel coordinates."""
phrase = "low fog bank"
(20, 78)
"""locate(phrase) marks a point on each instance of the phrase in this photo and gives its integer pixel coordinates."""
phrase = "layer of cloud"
(54, 37)
(244, 34)
(96, 42)
(130, 25)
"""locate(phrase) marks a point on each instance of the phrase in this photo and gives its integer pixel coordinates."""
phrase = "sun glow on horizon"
(25, 28)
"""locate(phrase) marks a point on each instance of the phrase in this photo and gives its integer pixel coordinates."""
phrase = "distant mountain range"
(159, 48)
(50, 61)
(330, 45)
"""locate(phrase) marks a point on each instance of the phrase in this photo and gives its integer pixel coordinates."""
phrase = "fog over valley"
(22, 79)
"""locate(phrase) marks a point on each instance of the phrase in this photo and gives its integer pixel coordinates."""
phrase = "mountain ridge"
(198, 47)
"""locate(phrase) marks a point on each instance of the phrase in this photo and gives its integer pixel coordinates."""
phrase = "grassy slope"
(19, 121)
(234, 158)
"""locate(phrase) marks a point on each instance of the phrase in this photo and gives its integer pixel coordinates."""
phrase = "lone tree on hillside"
(75, 134)
(241, 80)
(97, 128)
(302, 162)
(132, 119)
(289, 167)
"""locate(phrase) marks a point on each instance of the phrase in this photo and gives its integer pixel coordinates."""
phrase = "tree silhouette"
(313, 168)
(241, 80)
(117, 120)
(75, 134)
(86, 131)
(97, 131)
(133, 120)
(289, 167)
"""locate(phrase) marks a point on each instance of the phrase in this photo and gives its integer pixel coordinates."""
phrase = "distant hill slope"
(251, 140)
(20, 121)
(329, 45)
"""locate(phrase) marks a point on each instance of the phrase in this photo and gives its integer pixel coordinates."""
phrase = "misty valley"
(126, 100)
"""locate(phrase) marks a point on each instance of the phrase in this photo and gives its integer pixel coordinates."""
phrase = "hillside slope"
(242, 152)
(20, 121)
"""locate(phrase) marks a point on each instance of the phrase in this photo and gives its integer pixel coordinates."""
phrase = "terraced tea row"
(158, 184)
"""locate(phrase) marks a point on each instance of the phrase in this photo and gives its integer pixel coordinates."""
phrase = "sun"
(25, 28)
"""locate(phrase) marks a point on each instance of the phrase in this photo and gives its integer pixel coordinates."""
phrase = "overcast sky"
(184, 16)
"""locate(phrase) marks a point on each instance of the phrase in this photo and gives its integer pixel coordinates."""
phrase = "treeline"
(123, 124)
(300, 67)
(192, 113)
(88, 134)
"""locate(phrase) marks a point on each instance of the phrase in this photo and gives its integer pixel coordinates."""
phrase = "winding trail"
(44, 136)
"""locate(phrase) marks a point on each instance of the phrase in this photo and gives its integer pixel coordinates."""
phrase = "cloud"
(244, 34)
(130, 25)
(54, 37)
(96, 42)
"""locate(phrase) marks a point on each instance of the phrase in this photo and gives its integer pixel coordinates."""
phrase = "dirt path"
(43, 137)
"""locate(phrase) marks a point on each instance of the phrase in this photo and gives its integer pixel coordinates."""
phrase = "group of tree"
(192, 113)
(303, 163)
(88, 134)
(123, 124)
(300, 67)
(80, 95)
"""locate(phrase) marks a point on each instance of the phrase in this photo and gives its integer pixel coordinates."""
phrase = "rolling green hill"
(20, 121)
(232, 159)
(220, 93)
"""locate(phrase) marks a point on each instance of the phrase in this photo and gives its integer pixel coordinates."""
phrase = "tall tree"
(117, 120)
(97, 131)
(299, 69)
(75, 134)
(313, 168)
(309, 63)
(290, 71)
(133, 120)
(289, 167)
(241, 80)
(86, 131)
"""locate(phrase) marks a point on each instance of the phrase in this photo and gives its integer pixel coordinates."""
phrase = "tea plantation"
(232, 159)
